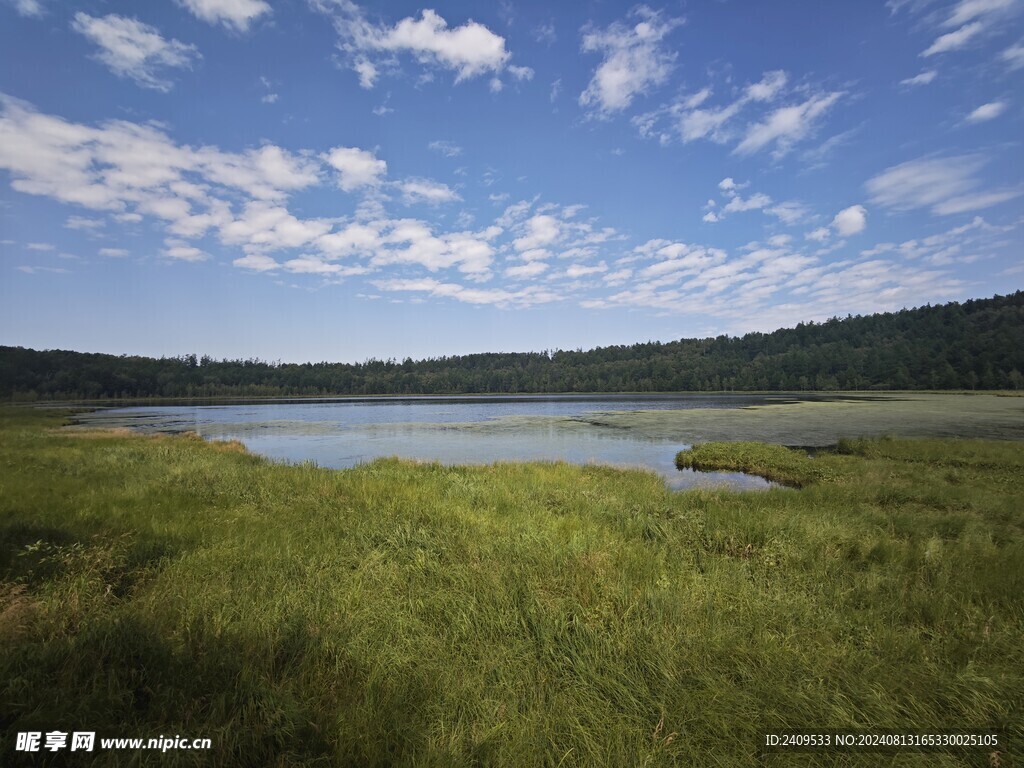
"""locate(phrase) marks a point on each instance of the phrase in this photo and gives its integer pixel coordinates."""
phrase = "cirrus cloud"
(946, 185)
(135, 50)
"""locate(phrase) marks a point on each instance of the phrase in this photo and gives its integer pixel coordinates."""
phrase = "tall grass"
(514, 614)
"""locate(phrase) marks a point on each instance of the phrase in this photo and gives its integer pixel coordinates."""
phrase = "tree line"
(977, 344)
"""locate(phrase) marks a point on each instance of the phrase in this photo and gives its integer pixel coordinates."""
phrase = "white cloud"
(32, 270)
(470, 50)
(946, 185)
(356, 167)
(514, 213)
(545, 33)
(137, 170)
(113, 253)
(235, 14)
(976, 201)
(922, 79)
(264, 226)
(354, 238)
(267, 173)
(987, 112)
(788, 212)
(580, 270)
(257, 262)
(618, 277)
(521, 73)
(955, 40)
(526, 297)
(410, 241)
(737, 203)
(850, 221)
(770, 283)
(310, 265)
(787, 125)
(707, 123)
(40, 246)
(556, 89)
(427, 191)
(974, 237)
(689, 120)
(135, 50)
(241, 199)
(769, 87)
(530, 269)
(578, 253)
(696, 99)
(541, 230)
(1014, 56)
(820, 235)
(28, 8)
(634, 60)
(964, 23)
(969, 10)
(446, 148)
(182, 251)
(755, 202)
(81, 222)
(925, 182)
(367, 73)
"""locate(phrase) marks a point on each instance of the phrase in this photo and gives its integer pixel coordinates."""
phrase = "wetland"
(640, 431)
(518, 613)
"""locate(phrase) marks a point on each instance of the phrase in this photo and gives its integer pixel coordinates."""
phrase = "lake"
(620, 430)
(452, 430)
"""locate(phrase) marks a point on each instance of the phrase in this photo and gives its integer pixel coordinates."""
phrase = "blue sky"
(326, 180)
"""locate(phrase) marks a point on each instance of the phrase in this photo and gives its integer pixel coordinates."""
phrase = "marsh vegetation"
(625, 431)
(404, 613)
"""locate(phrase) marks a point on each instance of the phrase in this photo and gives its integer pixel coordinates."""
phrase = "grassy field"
(507, 615)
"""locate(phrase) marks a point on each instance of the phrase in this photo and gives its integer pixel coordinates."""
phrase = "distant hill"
(978, 344)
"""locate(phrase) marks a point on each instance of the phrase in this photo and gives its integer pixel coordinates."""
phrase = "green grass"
(792, 467)
(823, 423)
(515, 614)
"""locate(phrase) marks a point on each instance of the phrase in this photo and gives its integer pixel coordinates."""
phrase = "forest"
(974, 345)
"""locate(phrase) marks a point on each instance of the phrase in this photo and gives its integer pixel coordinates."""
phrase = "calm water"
(343, 433)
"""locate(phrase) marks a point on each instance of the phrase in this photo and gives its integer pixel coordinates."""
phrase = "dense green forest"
(978, 344)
